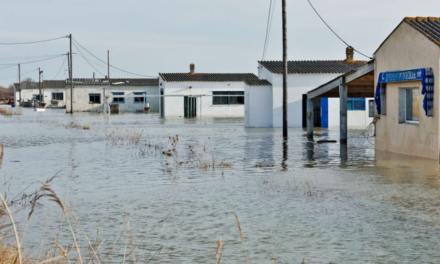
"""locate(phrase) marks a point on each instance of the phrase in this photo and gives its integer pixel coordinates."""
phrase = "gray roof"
(26, 85)
(257, 82)
(54, 84)
(305, 67)
(118, 81)
(428, 26)
(207, 77)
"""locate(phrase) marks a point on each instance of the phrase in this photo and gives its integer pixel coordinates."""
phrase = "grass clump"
(10, 111)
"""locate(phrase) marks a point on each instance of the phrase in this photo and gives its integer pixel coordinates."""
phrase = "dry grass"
(10, 111)
(74, 125)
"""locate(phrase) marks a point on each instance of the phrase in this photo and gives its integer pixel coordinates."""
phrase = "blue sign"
(424, 75)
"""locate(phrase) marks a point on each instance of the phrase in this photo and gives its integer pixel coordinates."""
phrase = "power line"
(62, 66)
(110, 64)
(269, 26)
(32, 42)
(348, 45)
(18, 75)
(8, 67)
(26, 57)
(87, 60)
(33, 61)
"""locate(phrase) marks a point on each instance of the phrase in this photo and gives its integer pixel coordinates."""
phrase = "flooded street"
(294, 201)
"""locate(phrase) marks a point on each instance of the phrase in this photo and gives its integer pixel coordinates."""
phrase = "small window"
(94, 98)
(58, 96)
(409, 105)
(355, 104)
(139, 97)
(371, 108)
(228, 98)
(118, 97)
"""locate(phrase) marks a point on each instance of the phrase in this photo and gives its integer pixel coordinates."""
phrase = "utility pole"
(39, 87)
(285, 73)
(19, 83)
(71, 75)
(108, 65)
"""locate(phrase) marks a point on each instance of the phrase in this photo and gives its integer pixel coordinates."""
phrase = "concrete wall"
(81, 98)
(408, 49)
(258, 106)
(174, 106)
(28, 94)
(355, 119)
(299, 84)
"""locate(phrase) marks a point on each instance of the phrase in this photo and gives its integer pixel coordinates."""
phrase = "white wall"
(258, 106)
(174, 106)
(28, 94)
(355, 119)
(299, 84)
(81, 98)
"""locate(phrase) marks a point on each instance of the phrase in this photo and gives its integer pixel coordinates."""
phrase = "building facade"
(53, 92)
(203, 94)
(407, 94)
(303, 77)
(127, 95)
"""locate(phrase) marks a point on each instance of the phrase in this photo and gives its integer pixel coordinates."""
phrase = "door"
(190, 106)
(324, 112)
(304, 110)
(162, 101)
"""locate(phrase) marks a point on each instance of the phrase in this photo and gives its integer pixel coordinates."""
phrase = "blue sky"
(152, 36)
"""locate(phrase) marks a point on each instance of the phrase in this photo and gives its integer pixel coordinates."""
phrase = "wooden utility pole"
(19, 83)
(285, 73)
(71, 75)
(39, 87)
(108, 65)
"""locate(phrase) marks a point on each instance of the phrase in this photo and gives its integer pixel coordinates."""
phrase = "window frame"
(58, 93)
(352, 101)
(118, 97)
(95, 94)
(138, 95)
(403, 92)
(226, 96)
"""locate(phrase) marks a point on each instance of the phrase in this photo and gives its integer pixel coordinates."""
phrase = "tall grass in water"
(10, 111)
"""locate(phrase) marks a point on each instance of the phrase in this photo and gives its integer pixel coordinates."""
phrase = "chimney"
(192, 68)
(350, 54)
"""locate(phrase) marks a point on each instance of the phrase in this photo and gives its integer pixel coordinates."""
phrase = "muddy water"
(296, 200)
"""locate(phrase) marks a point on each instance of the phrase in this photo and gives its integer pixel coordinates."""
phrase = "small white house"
(129, 95)
(266, 97)
(203, 94)
(53, 92)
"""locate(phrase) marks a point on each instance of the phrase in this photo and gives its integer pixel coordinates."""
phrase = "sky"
(225, 36)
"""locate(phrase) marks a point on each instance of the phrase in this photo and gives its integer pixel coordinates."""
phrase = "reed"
(10, 111)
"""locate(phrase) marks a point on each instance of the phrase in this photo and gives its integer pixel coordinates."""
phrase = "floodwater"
(294, 201)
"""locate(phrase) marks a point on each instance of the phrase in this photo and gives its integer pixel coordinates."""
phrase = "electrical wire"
(18, 75)
(28, 62)
(269, 27)
(87, 59)
(75, 41)
(26, 57)
(348, 45)
(32, 42)
(8, 67)
(62, 66)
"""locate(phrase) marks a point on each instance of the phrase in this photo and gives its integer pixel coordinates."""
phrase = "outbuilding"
(265, 106)
(194, 94)
(125, 95)
(407, 89)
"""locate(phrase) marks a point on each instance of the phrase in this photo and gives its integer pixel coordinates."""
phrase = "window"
(139, 97)
(118, 97)
(371, 108)
(355, 104)
(228, 98)
(58, 96)
(409, 105)
(94, 98)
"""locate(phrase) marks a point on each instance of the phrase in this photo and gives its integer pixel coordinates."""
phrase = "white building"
(53, 92)
(266, 97)
(203, 94)
(130, 95)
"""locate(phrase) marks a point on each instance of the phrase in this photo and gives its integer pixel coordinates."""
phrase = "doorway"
(190, 106)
